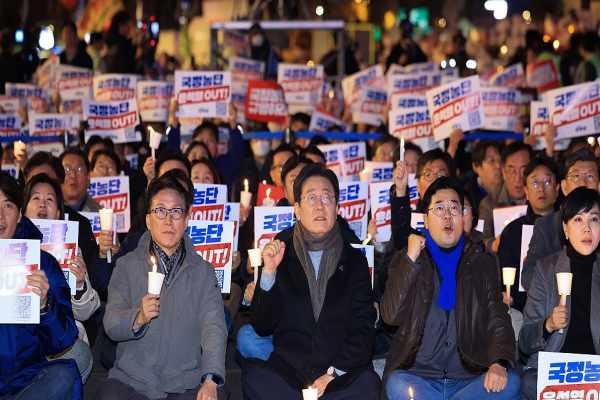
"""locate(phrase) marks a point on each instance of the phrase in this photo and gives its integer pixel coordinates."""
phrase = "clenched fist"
(272, 255)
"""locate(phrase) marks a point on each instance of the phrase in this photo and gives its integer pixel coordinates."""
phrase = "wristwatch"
(331, 372)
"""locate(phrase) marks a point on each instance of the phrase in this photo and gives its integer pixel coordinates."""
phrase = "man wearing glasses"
(580, 169)
(173, 344)
(77, 180)
(454, 338)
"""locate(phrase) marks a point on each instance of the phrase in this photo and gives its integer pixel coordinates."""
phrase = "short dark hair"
(300, 117)
(292, 163)
(540, 161)
(206, 125)
(514, 148)
(181, 178)
(583, 154)
(39, 179)
(196, 143)
(317, 140)
(589, 41)
(44, 158)
(480, 150)
(312, 149)
(579, 200)
(75, 151)
(169, 155)
(211, 166)
(11, 189)
(442, 183)
(474, 209)
(432, 155)
(110, 154)
(315, 170)
(408, 146)
(163, 183)
(96, 139)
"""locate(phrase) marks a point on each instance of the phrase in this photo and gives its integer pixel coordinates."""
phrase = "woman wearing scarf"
(314, 296)
(454, 337)
(574, 327)
(170, 345)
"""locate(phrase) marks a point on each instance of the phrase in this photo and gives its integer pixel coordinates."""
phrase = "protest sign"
(381, 210)
(568, 376)
(538, 122)
(113, 119)
(456, 105)
(369, 109)
(18, 303)
(301, 84)
(542, 75)
(9, 105)
(202, 94)
(45, 74)
(269, 221)
(400, 101)
(369, 253)
(505, 215)
(113, 192)
(232, 213)
(575, 110)
(352, 85)
(265, 102)
(213, 241)
(74, 83)
(347, 160)
(59, 238)
(512, 76)
(412, 83)
(377, 172)
(321, 121)
(526, 234)
(417, 221)
(353, 206)
(276, 193)
(413, 193)
(153, 99)
(114, 87)
(242, 71)
(10, 124)
(501, 107)
(52, 124)
(410, 123)
(209, 202)
(94, 219)
(32, 96)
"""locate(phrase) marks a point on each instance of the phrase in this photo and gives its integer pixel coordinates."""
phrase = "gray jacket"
(186, 341)
(546, 240)
(542, 297)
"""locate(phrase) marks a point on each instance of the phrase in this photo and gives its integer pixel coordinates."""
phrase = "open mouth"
(42, 214)
(320, 219)
(448, 228)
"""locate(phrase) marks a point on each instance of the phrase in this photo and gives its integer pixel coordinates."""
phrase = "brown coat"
(483, 325)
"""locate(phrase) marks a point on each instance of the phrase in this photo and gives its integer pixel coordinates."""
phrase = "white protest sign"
(412, 83)
(456, 105)
(377, 171)
(413, 193)
(542, 75)
(213, 241)
(9, 105)
(113, 192)
(575, 110)
(369, 253)
(52, 124)
(320, 121)
(568, 376)
(501, 108)
(399, 101)
(526, 234)
(34, 97)
(18, 304)
(352, 85)
(114, 87)
(410, 123)
(94, 219)
(301, 84)
(209, 202)
(10, 124)
(243, 70)
(203, 94)
(369, 109)
(417, 221)
(505, 215)
(512, 76)
(269, 221)
(59, 238)
(347, 160)
(232, 213)
(353, 206)
(113, 119)
(381, 210)
(74, 83)
(153, 99)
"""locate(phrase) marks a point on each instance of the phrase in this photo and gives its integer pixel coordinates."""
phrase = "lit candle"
(245, 195)
(246, 185)
(155, 279)
(153, 261)
(268, 201)
(402, 148)
(411, 393)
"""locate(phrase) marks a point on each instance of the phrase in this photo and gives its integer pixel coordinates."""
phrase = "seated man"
(172, 344)
(314, 296)
(25, 373)
(454, 337)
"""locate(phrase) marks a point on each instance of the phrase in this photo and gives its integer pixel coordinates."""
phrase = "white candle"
(402, 148)
(508, 278)
(411, 393)
(310, 393)
(367, 239)
(563, 281)
(246, 185)
(268, 201)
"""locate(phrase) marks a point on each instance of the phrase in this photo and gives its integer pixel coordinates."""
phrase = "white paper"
(505, 215)
(381, 210)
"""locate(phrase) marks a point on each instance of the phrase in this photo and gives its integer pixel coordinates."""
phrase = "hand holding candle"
(563, 281)
(255, 256)
(508, 278)
(245, 195)
(155, 279)
(106, 224)
(154, 141)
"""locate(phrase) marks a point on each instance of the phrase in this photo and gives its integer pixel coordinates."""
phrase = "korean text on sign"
(209, 202)
(269, 221)
(113, 192)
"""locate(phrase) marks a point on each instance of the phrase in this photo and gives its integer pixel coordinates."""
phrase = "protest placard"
(265, 102)
(456, 105)
(232, 213)
(322, 121)
(213, 241)
(575, 110)
(400, 101)
(501, 107)
(10, 169)
(417, 221)
(275, 193)
(369, 109)
(410, 123)
(153, 99)
(202, 94)
(33, 97)
(412, 83)
(54, 124)
(94, 219)
(505, 215)
(269, 221)
(512, 76)
(113, 192)
(209, 202)
(353, 206)
(18, 303)
(413, 193)
(9, 105)
(377, 171)
(301, 83)
(542, 75)
(10, 124)
(74, 83)
(242, 71)
(568, 376)
(114, 87)
(381, 210)
(113, 119)
(538, 122)
(370, 77)
(59, 238)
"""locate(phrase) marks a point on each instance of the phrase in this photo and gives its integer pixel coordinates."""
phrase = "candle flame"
(268, 192)
(411, 392)
(246, 186)
(153, 261)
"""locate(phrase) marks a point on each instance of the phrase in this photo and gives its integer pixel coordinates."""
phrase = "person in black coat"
(314, 296)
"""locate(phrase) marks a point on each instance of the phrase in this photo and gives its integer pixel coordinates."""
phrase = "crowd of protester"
(437, 313)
